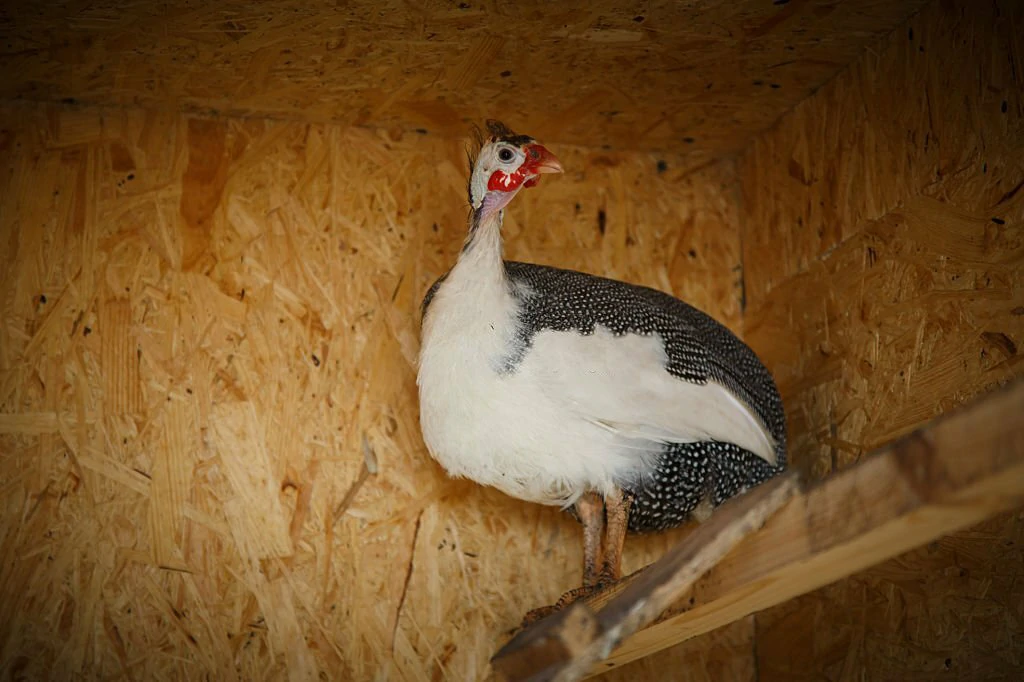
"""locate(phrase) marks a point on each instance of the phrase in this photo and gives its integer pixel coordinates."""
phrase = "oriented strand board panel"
(655, 74)
(903, 120)
(950, 610)
(884, 281)
(209, 327)
(722, 654)
(916, 313)
(883, 229)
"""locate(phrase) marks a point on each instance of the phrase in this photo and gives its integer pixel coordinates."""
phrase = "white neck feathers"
(473, 314)
(481, 257)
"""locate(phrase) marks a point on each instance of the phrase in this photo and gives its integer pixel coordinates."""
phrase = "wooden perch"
(566, 644)
(957, 471)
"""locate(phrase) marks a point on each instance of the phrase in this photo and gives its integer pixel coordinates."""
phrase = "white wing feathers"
(620, 383)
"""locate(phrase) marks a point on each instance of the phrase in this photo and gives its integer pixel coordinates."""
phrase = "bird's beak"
(539, 160)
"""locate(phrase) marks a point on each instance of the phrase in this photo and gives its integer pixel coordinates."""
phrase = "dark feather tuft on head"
(499, 131)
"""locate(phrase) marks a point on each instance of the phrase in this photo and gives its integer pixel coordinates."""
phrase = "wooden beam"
(962, 468)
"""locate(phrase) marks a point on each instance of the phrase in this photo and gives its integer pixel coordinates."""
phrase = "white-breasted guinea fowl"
(630, 406)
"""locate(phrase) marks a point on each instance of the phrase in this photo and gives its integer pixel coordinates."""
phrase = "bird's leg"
(590, 509)
(602, 561)
(617, 510)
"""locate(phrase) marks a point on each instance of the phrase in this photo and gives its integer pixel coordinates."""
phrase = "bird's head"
(504, 164)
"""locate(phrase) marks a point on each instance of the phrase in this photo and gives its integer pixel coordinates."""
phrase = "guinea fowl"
(563, 388)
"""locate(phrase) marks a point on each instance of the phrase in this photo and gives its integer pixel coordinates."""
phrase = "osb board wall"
(652, 74)
(950, 610)
(883, 243)
(726, 654)
(210, 326)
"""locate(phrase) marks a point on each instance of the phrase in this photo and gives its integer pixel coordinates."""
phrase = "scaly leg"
(617, 509)
(590, 509)
(602, 563)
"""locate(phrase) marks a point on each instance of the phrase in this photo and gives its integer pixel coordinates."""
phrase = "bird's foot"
(535, 615)
(567, 599)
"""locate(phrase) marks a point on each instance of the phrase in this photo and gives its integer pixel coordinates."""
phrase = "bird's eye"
(505, 154)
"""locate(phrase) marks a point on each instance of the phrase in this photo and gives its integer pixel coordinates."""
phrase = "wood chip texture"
(883, 240)
(204, 319)
(699, 78)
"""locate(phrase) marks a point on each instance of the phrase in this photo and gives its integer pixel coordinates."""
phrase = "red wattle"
(506, 182)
